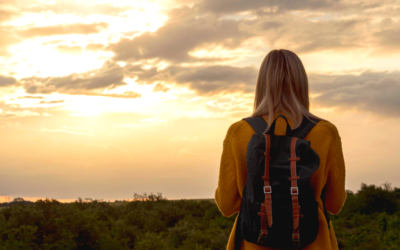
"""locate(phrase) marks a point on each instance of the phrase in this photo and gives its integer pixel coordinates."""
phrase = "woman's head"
(282, 86)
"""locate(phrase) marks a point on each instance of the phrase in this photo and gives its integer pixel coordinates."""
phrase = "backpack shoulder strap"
(257, 123)
(305, 127)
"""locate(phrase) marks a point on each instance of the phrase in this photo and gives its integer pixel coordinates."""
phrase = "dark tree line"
(150, 222)
(370, 219)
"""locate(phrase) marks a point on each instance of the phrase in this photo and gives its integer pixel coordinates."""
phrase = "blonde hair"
(282, 86)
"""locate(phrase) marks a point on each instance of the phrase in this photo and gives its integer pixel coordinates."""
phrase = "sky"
(103, 99)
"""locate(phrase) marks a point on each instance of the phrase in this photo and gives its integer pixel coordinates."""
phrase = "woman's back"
(326, 142)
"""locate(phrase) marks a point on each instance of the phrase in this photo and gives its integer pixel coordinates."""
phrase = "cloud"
(302, 26)
(376, 92)
(7, 38)
(79, 7)
(320, 83)
(229, 6)
(219, 78)
(94, 47)
(350, 26)
(183, 32)
(271, 25)
(31, 97)
(150, 75)
(7, 81)
(303, 36)
(78, 28)
(369, 91)
(69, 49)
(6, 15)
(71, 83)
(388, 36)
(205, 80)
(108, 77)
(51, 102)
(126, 94)
(159, 87)
(304, 32)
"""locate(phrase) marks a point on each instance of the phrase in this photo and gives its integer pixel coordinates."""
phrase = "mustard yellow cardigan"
(325, 140)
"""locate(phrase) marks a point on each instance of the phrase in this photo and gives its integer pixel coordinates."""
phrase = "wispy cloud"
(78, 28)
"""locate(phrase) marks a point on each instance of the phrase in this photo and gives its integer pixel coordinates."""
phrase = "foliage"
(370, 219)
(148, 222)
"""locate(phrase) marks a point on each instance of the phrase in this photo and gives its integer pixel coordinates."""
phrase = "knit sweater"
(324, 139)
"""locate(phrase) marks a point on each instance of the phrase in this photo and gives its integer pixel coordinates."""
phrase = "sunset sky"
(103, 99)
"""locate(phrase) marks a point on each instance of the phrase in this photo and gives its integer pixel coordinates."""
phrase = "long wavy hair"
(282, 86)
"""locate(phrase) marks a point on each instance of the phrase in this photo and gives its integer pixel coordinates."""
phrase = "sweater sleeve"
(335, 193)
(227, 194)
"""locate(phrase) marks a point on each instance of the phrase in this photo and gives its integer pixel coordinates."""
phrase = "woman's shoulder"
(237, 128)
(326, 128)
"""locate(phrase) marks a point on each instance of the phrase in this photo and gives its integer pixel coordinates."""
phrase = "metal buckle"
(296, 192)
(267, 191)
(295, 237)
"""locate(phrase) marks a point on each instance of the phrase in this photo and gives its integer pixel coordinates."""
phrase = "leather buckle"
(267, 189)
(294, 191)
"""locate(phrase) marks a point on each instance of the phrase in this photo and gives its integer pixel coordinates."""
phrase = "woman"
(282, 88)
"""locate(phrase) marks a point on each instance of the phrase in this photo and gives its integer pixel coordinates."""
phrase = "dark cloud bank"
(376, 92)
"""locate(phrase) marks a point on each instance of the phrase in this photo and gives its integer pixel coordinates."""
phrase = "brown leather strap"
(294, 192)
(266, 207)
(263, 231)
(267, 185)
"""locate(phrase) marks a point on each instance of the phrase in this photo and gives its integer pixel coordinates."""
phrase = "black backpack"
(278, 205)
